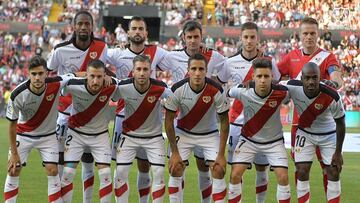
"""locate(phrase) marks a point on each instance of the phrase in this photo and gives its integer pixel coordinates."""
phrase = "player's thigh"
(244, 152)
(185, 144)
(275, 153)
(126, 150)
(304, 149)
(24, 147)
(210, 146)
(61, 131)
(48, 149)
(100, 148)
(74, 147)
(327, 146)
(155, 151)
(234, 134)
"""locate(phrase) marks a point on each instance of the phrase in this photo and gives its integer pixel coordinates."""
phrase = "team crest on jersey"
(318, 106)
(273, 104)
(103, 98)
(148, 55)
(206, 99)
(93, 55)
(50, 97)
(151, 99)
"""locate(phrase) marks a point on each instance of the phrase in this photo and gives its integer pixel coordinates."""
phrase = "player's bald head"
(310, 67)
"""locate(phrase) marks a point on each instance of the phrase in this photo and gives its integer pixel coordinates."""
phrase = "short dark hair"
(262, 62)
(97, 64)
(37, 61)
(84, 13)
(309, 20)
(191, 26)
(141, 58)
(137, 18)
(197, 56)
(249, 26)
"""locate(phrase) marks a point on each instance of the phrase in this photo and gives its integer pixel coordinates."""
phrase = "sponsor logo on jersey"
(273, 104)
(103, 98)
(93, 55)
(206, 99)
(50, 97)
(151, 99)
(318, 106)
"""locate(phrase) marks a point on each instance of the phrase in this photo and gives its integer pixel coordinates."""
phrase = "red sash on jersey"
(317, 107)
(254, 125)
(43, 110)
(94, 52)
(145, 108)
(190, 120)
(82, 118)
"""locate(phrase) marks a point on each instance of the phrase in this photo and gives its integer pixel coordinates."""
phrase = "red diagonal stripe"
(88, 182)
(121, 190)
(159, 193)
(55, 196)
(144, 191)
(219, 196)
(304, 198)
(10, 194)
(66, 189)
(207, 192)
(261, 189)
(335, 200)
(235, 200)
(173, 190)
(97, 47)
(105, 191)
(284, 201)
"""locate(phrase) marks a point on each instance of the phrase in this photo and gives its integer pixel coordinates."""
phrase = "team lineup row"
(197, 99)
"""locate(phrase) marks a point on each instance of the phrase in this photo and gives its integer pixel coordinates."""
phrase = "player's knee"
(302, 173)
(143, 166)
(332, 173)
(260, 167)
(201, 165)
(87, 158)
(283, 178)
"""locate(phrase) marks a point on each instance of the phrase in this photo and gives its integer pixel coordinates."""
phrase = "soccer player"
(142, 128)
(294, 61)
(238, 69)
(32, 112)
(70, 57)
(176, 62)
(198, 100)
(321, 124)
(88, 128)
(123, 61)
(262, 130)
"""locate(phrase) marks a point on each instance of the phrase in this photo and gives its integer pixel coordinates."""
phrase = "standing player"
(32, 111)
(238, 69)
(293, 62)
(142, 128)
(123, 61)
(70, 57)
(176, 62)
(321, 124)
(88, 128)
(198, 100)
(262, 130)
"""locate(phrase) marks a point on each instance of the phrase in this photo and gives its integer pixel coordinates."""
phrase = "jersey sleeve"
(221, 102)
(172, 103)
(103, 56)
(329, 62)
(161, 54)
(283, 65)
(275, 70)
(12, 110)
(112, 57)
(236, 92)
(337, 109)
(65, 79)
(166, 63)
(225, 73)
(167, 93)
(217, 61)
(53, 61)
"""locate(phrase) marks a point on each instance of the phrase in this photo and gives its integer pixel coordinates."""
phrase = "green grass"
(33, 181)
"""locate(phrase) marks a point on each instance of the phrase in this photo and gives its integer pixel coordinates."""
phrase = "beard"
(83, 38)
(137, 40)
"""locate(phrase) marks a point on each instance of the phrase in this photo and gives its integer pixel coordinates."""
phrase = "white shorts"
(129, 147)
(274, 152)
(98, 145)
(61, 130)
(47, 147)
(140, 154)
(208, 144)
(305, 146)
(234, 134)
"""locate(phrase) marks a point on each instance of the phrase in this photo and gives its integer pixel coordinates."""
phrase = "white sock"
(261, 185)
(158, 185)
(175, 189)
(87, 173)
(205, 186)
(219, 190)
(67, 184)
(283, 193)
(144, 186)
(122, 183)
(105, 189)
(303, 191)
(54, 189)
(235, 191)
(11, 188)
(333, 191)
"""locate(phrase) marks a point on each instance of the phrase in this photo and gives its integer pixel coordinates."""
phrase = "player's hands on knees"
(176, 165)
(219, 166)
(107, 81)
(337, 161)
(13, 162)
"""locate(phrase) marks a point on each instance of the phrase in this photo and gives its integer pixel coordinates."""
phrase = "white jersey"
(36, 114)
(90, 114)
(237, 70)
(316, 115)
(262, 122)
(197, 110)
(123, 59)
(176, 62)
(143, 110)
